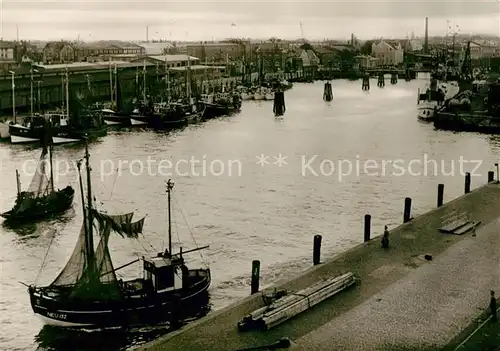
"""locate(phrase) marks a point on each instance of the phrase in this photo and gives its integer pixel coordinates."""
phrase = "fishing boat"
(176, 114)
(247, 93)
(29, 131)
(87, 291)
(41, 199)
(434, 98)
(220, 104)
(71, 124)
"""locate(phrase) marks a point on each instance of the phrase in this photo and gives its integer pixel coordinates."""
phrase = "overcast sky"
(204, 20)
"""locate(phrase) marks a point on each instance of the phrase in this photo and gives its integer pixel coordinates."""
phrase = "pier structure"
(48, 89)
(401, 288)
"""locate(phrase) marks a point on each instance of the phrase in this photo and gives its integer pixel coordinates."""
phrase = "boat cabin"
(207, 98)
(160, 107)
(165, 273)
(57, 119)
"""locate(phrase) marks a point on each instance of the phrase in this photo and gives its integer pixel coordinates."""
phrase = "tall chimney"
(426, 42)
(147, 34)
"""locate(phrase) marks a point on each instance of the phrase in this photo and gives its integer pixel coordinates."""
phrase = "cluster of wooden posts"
(367, 229)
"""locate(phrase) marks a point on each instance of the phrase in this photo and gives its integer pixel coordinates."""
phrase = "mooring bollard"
(467, 182)
(491, 176)
(407, 210)
(368, 224)
(255, 276)
(317, 249)
(440, 195)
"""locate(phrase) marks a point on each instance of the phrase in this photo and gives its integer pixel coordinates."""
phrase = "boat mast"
(167, 83)
(90, 235)
(116, 86)
(144, 82)
(85, 223)
(63, 77)
(170, 185)
(67, 94)
(188, 79)
(111, 92)
(51, 168)
(31, 89)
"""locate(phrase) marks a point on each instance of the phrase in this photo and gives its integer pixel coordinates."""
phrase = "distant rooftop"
(82, 66)
(172, 58)
(155, 48)
(195, 68)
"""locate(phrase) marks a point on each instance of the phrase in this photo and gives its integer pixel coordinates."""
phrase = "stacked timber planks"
(291, 305)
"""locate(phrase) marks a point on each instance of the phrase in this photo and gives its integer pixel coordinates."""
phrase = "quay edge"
(218, 331)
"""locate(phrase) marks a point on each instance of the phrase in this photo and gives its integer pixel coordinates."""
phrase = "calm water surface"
(248, 212)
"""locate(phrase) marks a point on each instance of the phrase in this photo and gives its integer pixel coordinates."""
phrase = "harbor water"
(323, 167)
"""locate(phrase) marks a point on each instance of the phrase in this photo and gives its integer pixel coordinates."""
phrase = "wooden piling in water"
(381, 80)
(279, 103)
(327, 93)
(394, 78)
(491, 176)
(407, 210)
(368, 224)
(440, 195)
(255, 276)
(317, 249)
(366, 83)
(467, 183)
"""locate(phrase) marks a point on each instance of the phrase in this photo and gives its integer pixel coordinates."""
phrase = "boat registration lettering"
(57, 315)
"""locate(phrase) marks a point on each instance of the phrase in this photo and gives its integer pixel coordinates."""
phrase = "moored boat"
(41, 199)
(88, 293)
(434, 98)
(220, 104)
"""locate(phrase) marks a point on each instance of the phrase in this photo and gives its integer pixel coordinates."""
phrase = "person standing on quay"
(385, 238)
(493, 306)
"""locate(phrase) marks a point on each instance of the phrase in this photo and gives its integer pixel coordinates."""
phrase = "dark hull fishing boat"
(176, 115)
(220, 104)
(30, 131)
(41, 200)
(88, 293)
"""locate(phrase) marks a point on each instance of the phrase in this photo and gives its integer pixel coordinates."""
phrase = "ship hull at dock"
(20, 134)
(467, 122)
(63, 135)
(129, 310)
(216, 110)
(426, 110)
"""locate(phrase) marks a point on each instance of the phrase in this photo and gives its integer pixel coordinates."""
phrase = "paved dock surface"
(400, 276)
(425, 308)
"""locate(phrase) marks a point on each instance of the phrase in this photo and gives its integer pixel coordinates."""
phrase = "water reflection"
(112, 339)
(33, 229)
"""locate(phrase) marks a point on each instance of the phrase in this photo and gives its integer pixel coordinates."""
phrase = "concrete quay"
(402, 301)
